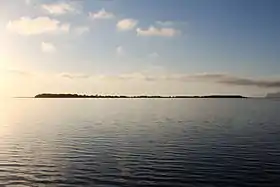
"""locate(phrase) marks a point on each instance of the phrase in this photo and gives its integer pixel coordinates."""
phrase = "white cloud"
(81, 30)
(61, 8)
(153, 31)
(48, 47)
(127, 24)
(102, 14)
(35, 26)
(120, 51)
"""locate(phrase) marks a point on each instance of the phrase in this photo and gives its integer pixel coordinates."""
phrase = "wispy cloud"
(225, 79)
(81, 30)
(35, 26)
(126, 24)
(120, 51)
(19, 72)
(266, 83)
(153, 31)
(102, 14)
(61, 8)
(163, 76)
(74, 76)
(48, 47)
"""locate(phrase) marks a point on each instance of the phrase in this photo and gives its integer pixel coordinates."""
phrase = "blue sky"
(162, 46)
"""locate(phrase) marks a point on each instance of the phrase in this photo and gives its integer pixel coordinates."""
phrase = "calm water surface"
(140, 142)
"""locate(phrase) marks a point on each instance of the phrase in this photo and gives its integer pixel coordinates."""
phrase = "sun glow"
(4, 53)
(4, 47)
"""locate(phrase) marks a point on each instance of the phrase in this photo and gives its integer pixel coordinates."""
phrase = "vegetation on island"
(49, 95)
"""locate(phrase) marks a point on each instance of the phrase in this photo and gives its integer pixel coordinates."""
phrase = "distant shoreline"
(132, 97)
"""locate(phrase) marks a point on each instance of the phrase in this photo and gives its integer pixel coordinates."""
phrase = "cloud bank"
(229, 80)
(225, 79)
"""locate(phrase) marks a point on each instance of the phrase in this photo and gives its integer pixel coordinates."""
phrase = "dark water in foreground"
(143, 142)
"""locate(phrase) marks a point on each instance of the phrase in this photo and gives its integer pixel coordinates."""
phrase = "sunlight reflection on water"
(140, 142)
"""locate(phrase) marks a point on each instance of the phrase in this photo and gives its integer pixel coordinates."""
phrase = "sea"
(139, 142)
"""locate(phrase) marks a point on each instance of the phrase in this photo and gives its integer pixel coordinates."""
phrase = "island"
(50, 95)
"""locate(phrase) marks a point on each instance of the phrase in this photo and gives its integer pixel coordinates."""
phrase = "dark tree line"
(49, 95)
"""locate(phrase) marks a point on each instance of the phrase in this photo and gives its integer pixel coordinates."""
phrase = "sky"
(133, 47)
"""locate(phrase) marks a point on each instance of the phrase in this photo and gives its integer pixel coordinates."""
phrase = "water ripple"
(163, 143)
